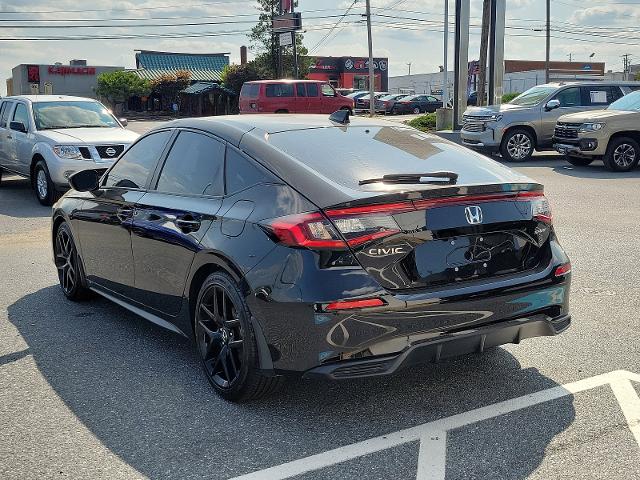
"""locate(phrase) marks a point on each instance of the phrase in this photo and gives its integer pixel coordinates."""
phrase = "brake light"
(350, 304)
(563, 270)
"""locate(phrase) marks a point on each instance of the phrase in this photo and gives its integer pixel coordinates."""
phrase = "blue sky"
(405, 31)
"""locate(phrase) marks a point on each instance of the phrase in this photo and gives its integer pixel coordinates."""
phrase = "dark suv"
(313, 246)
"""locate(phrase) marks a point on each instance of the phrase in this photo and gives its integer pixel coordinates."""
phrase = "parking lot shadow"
(18, 200)
(595, 170)
(140, 391)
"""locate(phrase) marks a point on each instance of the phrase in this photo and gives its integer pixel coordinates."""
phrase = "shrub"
(507, 97)
(426, 123)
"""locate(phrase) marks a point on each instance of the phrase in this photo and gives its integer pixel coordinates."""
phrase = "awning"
(206, 87)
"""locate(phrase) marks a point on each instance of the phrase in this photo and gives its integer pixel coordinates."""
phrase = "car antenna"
(340, 116)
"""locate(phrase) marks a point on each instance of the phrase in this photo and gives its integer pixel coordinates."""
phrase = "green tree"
(637, 77)
(265, 45)
(119, 85)
(234, 76)
(169, 85)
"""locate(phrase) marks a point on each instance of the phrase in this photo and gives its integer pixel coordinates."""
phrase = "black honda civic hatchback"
(315, 246)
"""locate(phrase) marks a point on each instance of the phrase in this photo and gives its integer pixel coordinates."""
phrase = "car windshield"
(389, 97)
(629, 102)
(54, 115)
(533, 96)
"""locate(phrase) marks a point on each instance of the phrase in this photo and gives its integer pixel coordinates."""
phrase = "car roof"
(592, 83)
(286, 80)
(49, 98)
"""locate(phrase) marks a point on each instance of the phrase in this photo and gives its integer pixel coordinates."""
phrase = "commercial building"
(350, 72)
(77, 79)
(519, 75)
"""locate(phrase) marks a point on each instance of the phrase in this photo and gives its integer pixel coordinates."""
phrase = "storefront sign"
(70, 70)
(285, 39)
(362, 64)
(33, 73)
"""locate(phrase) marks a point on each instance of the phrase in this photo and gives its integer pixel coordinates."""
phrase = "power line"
(312, 49)
(159, 7)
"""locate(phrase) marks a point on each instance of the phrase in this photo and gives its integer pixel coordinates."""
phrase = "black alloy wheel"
(70, 273)
(226, 342)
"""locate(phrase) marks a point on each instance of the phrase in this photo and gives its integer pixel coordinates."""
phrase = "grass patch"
(426, 123)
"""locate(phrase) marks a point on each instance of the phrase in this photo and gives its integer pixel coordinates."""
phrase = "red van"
(291, 96)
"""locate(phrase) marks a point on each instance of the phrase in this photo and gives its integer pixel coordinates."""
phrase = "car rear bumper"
(475, 340)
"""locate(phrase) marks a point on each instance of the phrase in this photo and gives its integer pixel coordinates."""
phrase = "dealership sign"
(70, 70)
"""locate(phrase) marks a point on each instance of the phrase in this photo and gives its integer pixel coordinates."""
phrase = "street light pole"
(372, 79)
(546, 63)
(445, 79)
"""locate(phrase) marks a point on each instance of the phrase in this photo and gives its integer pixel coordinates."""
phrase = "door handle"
(124, 214)
(188, 224)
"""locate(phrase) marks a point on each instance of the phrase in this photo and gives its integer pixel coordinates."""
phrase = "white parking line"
(432, 435)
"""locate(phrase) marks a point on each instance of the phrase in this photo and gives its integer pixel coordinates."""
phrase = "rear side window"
(21, 115)
(138, 163)
(279, 90)
(312, 89)
(595, 96)
(4, 113)
(194, 166)
(616, 93)
(300, 90)
(242, 172)
(569, 97)
(250, 90)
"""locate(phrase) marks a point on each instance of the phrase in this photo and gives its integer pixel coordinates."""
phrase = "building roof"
(205, 87)
(151, 64)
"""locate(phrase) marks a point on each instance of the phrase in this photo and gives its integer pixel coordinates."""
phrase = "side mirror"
(124, 122)
(18, 127)
(85, 181)
(552, 105)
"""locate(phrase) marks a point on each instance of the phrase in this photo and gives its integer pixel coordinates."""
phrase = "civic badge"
(473, 214)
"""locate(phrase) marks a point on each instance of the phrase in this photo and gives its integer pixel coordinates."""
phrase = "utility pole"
(294, 46)
(570, 56)
(546, 63)
(445, 79)
(409, 65)
(484, 44)
(627, 64)
(372, 78)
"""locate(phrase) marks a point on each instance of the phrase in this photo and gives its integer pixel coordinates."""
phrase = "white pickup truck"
(48, 138)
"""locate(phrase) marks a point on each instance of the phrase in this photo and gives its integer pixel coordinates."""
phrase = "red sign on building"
(70, 70)
(33, 73)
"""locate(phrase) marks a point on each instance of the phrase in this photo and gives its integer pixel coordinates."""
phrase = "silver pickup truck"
(48, 138)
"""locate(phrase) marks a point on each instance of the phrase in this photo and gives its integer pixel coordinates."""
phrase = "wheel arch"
(528, 128)
(635, 135)
(35, 158)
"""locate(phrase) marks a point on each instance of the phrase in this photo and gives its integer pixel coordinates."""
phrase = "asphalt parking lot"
(91, 391)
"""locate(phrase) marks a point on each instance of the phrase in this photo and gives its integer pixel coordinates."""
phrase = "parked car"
(363, 102)
(291, 96)
(314, 246)
(357, 94)
(47, 138)
(612, 134)
(385, 104)
(417, 104)
(526, 123)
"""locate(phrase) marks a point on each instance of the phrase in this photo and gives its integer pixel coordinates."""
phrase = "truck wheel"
(517, 145)
(579, 161)
(622, 154)
(45, 190)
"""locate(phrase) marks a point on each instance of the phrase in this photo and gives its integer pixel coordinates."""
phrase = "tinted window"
(300, 90)
(21, 115)
(279, 90)
(194, 166)
(432, 99)
(596, 96)
(55, 115)
(250, 90)
(569, 97)
(4, 114)
(242, 172)
(616, 93)
(312, 89)
(137, 164)
(327, 91)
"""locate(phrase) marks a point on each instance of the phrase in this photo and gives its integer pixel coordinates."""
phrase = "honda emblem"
(473, 215)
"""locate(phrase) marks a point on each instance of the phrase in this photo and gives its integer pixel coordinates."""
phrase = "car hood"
(594, 115)
(491, 109)
(90, 135)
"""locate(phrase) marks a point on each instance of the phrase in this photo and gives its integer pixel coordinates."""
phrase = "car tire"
(579, 161)
(45, 189)
(517, 145)
(69, 265)
(622, 154)
(416, 110)
(226, 342)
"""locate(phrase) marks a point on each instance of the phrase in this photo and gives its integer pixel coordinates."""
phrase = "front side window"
(81, 114)
(569, 97)
(4, 113)
(279, 90)
(136, 166)
(21, 115)
(194, 166)
(327, 90)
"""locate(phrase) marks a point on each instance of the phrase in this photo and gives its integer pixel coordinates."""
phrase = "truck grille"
(110, 151)
(567, 130)
(476, 118)
(474, 127)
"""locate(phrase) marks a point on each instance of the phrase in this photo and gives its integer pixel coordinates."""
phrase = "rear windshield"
(279, 90)
(250, 90)
(347, 155)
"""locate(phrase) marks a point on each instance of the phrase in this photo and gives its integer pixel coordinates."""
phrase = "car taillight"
(338, 228)
(563, 270)
(351, 304)
(541, 210)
